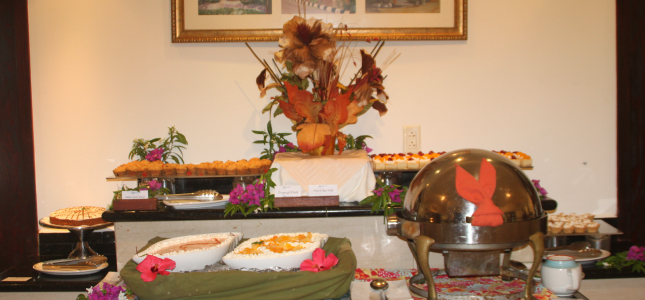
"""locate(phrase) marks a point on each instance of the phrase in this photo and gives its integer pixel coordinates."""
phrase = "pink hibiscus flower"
(319, 262)
(152, 265)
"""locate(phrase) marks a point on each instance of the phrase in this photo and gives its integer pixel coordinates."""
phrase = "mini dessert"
(181, 170)
(254, 166)
(168, 169)
(231, 169)
(593, 227)
(525, 159)
(212, 168)
(266, 165)
(567, 227)
(512, 157)
(119, 171)
(413, 163)
(424, 161)
(401, 162)
(589, 217)
(378, 163)
(390, 164)
(200, 169)
(154, 168)
(133, 169)
(242, 167)
(77, 216)
(579, 227)
(556, 227)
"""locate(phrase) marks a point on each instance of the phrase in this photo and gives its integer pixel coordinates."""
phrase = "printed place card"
(323, 190)
(134, 194)
(17, 279)
(288, 191)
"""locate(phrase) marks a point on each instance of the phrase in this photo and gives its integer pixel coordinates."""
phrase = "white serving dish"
(196, 259)
(286, 260)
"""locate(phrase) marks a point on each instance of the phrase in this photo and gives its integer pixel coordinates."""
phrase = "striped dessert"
(78, 215)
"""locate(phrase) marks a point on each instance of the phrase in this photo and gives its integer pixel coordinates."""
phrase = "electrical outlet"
(411, 138)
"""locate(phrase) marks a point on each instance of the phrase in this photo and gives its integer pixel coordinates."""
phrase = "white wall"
(534, 76)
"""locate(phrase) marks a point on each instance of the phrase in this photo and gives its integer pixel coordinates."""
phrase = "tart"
(77, 216)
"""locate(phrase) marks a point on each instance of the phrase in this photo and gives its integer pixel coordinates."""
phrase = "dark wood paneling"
(18, 217)
(630, 39)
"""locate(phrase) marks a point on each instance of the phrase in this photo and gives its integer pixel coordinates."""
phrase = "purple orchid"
(108, 292)
(636, 253)
(540, 189)
(155, 154)
(154, 185)
(395, 195)
(367, 149)
(378, 191)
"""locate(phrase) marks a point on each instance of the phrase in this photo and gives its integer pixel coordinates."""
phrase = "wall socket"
(411, 138)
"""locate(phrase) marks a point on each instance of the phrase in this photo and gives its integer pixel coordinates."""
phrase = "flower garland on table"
(386, 197)
(253, 197)
(107, 292)
(635, 258)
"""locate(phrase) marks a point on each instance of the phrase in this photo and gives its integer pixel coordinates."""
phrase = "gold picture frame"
(191, 27)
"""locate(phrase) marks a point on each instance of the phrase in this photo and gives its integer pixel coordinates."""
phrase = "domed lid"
(433, 195)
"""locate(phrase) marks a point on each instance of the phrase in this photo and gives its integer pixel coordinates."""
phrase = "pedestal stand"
(83, 232)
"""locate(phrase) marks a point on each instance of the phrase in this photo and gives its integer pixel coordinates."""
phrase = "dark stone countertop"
(40, 282)
(164, 213)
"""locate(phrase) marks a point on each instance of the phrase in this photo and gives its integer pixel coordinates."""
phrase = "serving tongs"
(89, 263)
(203, 195)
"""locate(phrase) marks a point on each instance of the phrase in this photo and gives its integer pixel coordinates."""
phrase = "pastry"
(154, 168)
(579, 227)
(192, 170)
(119, 171)
(567, 227)
(77, 216)
(181, 170)
(593, 227)
(555, 227)
(390, 164)
(525, 159)
(168, 169)
(413, 163)
(231, 169)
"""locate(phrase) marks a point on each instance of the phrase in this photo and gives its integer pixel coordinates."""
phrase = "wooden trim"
(630, 52)
(18, 216)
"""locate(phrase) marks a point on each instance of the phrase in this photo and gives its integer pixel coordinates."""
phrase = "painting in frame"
(205, 21)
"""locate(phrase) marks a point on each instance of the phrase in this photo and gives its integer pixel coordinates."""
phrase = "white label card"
(288, 191)
(323, 190)
(134, 194)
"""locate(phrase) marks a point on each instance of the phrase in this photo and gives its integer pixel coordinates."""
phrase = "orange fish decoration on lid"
(480, 192)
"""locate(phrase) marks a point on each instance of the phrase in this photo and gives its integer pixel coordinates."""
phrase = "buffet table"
(373, 248)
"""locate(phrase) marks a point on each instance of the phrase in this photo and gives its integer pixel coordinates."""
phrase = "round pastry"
(77, 216)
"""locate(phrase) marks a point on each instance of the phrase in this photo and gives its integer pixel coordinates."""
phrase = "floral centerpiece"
(164, 151)
(313, 61)
(253, 197)
(386, 197)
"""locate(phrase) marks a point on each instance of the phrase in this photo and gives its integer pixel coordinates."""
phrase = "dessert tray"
(196, 204)
(68, 271)
(193, 252)
(284, 251)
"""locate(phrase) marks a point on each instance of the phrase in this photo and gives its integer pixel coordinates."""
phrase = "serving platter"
(194, 204)
(67, 272)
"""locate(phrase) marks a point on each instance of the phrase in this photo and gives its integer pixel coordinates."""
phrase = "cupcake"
(254, 166)
(192, 170)
(231, 169)
(154, 168)
(220, 167)
(556, 227)
(579, 227)
(212, 168)
(168, 169)
(119, 171)
(567, 227)
(133, 169)
(181, 170)
(201, 169)
(266, 165)
(589, 217)
(593, 227)
(242, 167)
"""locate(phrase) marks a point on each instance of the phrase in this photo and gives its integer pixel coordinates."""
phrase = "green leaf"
(277, 112)
(182, 138)
(259, 142)
(258, 132)
(268, 107)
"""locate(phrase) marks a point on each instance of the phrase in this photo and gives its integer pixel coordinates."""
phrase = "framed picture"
(206, 21)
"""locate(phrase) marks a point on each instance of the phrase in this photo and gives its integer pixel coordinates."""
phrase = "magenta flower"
(154, 185)
(540, 189)
(378, 191)
(152, 265)
(368, 149)
(319, 262)
(155, 154)
(395, 195)
(636, 253)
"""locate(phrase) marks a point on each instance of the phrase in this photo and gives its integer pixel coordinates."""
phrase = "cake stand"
(82, 249)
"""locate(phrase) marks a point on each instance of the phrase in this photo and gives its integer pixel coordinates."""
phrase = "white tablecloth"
(351, 172)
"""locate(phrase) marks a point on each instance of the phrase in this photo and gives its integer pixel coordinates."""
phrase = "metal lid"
(432, 196)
